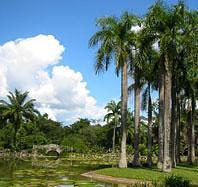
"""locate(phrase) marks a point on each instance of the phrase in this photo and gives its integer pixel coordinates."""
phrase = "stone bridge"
(48, 148)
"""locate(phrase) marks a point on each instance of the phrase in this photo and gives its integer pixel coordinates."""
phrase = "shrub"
(176, 181)
(143, 150)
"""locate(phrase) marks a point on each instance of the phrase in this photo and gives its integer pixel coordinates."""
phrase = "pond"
(48, 173)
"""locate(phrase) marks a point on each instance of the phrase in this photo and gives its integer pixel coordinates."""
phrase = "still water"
(48, 173)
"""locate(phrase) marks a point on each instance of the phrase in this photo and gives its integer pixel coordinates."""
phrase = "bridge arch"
(48, 148)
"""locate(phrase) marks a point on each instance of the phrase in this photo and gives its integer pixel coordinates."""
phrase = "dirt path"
(109, 179)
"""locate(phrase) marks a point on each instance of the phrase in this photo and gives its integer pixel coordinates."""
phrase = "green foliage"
(114, 113)
(143, 149)
(6, 136)
(17, 110)
(84, 137)
(21, 125)
(80, 137)
(75, 144)
(176, 181)
(29, 135)
(52, 130)
(114, 37)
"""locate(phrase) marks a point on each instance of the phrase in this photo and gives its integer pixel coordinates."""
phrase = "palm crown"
(17, 109)
(116, 39)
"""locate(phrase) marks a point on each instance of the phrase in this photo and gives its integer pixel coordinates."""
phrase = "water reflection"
(49, 172)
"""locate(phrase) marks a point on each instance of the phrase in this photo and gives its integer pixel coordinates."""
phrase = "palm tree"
(137, 90)
(190, 46)
(135, 71)
(113, 116)
(191, 130)
(150, 83)
(136, 86)
(185, 59)
(162, 25)
(115, 38)
(130, 122)
(141, 71)
(17, 110)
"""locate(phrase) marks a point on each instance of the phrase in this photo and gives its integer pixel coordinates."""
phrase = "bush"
(176, 181)
(75, 143)
(130, 149)
(143, 150)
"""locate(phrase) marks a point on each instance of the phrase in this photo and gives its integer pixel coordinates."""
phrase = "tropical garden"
(156, 59)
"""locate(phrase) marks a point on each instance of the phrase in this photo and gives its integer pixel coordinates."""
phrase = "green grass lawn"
(152, 174)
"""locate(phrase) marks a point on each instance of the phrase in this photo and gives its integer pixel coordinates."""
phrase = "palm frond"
(107, 22)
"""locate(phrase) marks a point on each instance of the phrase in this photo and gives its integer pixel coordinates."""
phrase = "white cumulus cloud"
(60, 91)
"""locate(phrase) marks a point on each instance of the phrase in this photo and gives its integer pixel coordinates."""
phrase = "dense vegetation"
(82, 136)
(22, 127)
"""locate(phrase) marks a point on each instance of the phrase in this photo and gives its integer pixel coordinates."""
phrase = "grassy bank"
(152, 174)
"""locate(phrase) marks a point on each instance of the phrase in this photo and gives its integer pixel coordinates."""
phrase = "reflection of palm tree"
(113, 116)
(116, 38)
(18, 110)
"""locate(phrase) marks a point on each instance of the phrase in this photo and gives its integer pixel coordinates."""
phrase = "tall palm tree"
(190, 129)
(162, 25)
(115, 39)
(141, 72)
(135, 71)
(150, 83)
(136, 86)
(147, 100)
(190, 46)
(17, 110)
(113, 116)
(185, 60)
(178, 80)
(137, 90)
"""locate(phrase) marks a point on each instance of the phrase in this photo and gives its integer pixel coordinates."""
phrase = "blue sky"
(72, 23)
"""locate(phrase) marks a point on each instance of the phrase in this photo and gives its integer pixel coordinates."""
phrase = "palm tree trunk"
(149, 156)
(124, 97)
(189, 129)
(14, 139)
(16, 127)
(191, 133)
(137, 121)
(113, 139)
(167, 117)
(173, 122)
(178, 160)
(161, 123)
